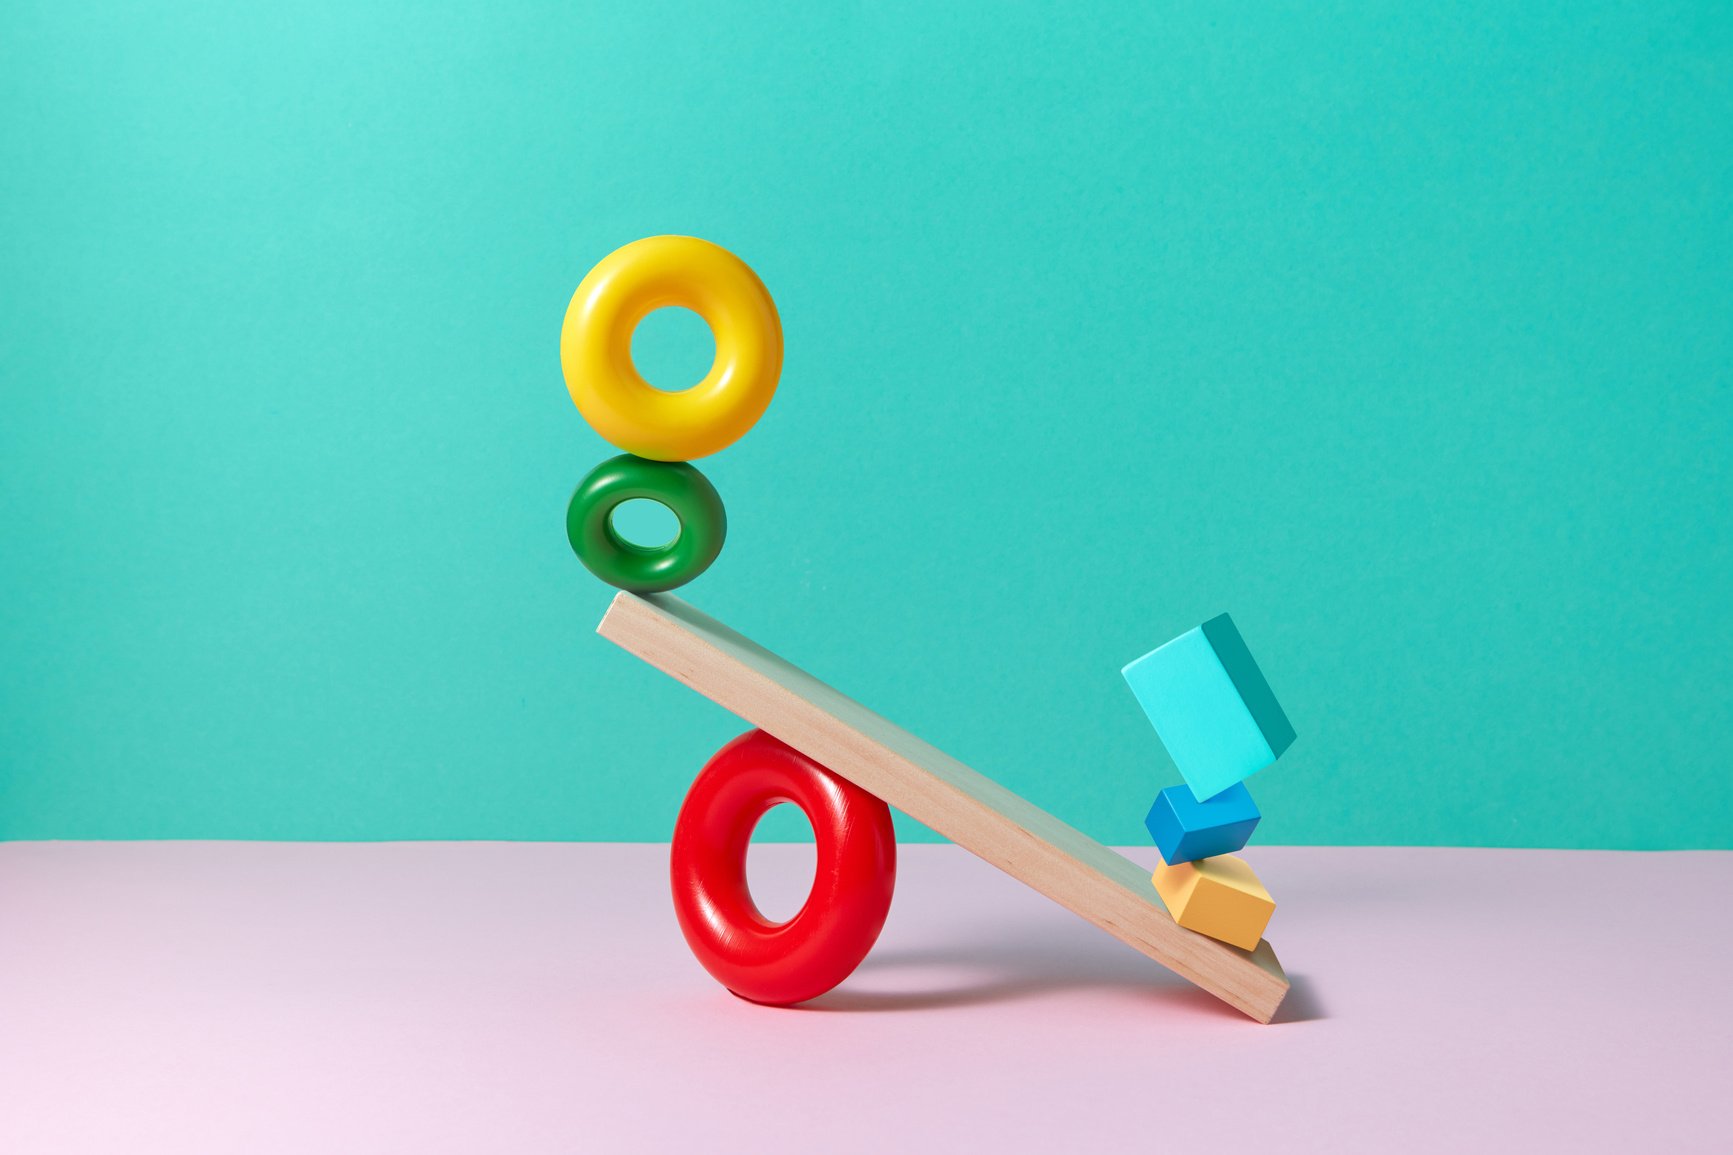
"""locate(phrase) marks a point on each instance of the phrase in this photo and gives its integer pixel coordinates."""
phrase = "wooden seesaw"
(933, 788)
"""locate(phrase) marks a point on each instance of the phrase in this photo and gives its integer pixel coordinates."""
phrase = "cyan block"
(1186, 830)
(1211, 707)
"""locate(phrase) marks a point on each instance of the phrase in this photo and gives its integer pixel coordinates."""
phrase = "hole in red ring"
(781, 862)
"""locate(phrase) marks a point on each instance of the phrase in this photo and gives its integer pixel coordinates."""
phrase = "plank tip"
(1263, 956)
(614, 606)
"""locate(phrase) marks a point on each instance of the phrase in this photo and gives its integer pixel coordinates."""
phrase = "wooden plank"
(929, 786)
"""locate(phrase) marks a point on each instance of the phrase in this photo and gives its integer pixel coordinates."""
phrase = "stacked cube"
(1221, 724)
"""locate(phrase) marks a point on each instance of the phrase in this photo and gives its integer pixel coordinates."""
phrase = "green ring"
(677, 485)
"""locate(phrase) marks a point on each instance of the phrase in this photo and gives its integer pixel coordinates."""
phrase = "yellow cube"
(1220, 897)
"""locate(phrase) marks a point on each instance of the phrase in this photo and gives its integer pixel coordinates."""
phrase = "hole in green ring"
(644, 523)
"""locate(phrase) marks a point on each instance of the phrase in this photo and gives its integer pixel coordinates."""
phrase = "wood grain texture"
(931, 787)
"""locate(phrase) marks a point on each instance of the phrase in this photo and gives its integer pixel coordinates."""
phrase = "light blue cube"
(1211, 707)
(1186, 830)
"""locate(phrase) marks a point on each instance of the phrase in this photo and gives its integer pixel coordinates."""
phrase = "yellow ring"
(596, 348)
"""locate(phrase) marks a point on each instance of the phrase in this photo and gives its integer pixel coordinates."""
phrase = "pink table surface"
(483, 997)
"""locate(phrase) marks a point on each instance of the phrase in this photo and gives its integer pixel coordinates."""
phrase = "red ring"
(780, 963)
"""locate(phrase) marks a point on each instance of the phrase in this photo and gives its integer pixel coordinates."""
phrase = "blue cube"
(1211, 707)
(1186, 830)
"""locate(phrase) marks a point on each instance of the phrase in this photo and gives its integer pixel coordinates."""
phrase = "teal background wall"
(1400, 331)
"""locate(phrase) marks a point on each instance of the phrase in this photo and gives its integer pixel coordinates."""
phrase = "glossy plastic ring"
(596, 348)
(780, 963)
(675, 484)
